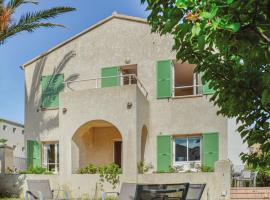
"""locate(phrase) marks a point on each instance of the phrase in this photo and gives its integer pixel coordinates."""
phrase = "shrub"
(206, 169)
(89, 169)
(35, 170)
(110, 173)
(143, 167)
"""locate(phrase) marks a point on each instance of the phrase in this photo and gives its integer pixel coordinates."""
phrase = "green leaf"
(196, 29)
(233, 27)
(266, 97)
(206, 15)
(181, 3)
(229, 1)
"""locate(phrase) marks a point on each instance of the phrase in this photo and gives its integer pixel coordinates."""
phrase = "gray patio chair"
(245, 176)
(195, 191)
(41, 189)
(128, 192)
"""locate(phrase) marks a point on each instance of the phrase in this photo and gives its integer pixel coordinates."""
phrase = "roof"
(113, 16)
(11, 122)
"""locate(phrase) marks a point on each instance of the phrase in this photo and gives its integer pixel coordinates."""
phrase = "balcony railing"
(187, 91)
(127, 79)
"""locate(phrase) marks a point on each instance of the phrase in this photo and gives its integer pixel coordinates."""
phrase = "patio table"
(161, 193)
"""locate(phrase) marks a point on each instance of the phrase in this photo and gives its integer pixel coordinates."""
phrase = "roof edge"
(114, 15)
(12, 122)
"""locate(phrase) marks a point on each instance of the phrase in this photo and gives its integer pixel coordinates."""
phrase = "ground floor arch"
(96, 142)
(144, 136)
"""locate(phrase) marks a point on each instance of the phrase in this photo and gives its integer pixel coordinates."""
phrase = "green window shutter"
(107, 72)
(33, 154)
(164, 79)
(51, 87)
(210, 149)
(164, 153)
(207, 89)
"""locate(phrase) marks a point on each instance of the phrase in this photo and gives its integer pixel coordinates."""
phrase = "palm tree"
(27, 22)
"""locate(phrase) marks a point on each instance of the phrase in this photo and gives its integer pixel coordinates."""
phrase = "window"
(126, 73)
(50, 157)
(14, 130)
(51, 87)
(23, 132)
(4, 127)
(14, 147)
(22, 149)
(187, 149)
(186, 82)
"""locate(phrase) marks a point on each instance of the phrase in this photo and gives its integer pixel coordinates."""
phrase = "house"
(116, 93)
(13, 133)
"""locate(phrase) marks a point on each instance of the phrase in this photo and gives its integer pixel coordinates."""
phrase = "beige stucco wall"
(88, 186)
(14, 138)
(6, 159)
(112, 44)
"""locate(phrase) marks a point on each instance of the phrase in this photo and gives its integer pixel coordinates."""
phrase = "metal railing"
(127, 79)
(188, 90)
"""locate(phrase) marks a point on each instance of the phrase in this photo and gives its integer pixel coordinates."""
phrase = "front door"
(118, 153)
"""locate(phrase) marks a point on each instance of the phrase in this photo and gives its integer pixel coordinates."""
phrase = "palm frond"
(13, 4)
(16, 28)
(31, 20)
(43, 15)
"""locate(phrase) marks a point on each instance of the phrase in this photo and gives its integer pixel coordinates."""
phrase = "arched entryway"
(144, 135)
(96, 142)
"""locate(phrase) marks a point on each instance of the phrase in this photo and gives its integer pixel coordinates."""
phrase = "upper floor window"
(4, 127)
(23, 132)
(51, 87)
(14, 130)
(122, 75)
(185, 81)
(22, 149)
(176, 79)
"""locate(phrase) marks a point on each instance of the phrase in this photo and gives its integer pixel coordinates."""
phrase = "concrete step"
(250, 193)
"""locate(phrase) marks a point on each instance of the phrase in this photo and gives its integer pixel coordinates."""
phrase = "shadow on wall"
(11, 185)
(40, 121)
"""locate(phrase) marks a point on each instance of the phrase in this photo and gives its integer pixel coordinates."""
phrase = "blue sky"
(25, 46)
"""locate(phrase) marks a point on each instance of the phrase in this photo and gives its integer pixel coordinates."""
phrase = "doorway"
(118, 153)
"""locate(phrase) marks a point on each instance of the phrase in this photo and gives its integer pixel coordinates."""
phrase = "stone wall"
(88, 185)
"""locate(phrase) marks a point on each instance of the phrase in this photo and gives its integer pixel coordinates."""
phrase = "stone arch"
(144, 136)
(97, 142)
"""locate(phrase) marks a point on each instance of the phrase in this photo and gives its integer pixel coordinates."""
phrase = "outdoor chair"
(245, 176)
(128, 192)
(195, 191)
(40, 189)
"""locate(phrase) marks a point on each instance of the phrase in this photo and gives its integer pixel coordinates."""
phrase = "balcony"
(103, 82)
(187, 91)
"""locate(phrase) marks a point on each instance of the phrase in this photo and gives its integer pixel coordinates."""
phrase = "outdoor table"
(162, 192)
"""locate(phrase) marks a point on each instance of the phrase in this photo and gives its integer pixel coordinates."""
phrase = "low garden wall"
(89, 186)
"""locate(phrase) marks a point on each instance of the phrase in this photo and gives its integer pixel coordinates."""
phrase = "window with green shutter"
(210, 149)
(110, 77)
(164, 79)
(164, 153)
(207, 89)
(51, 87)
(33, 153)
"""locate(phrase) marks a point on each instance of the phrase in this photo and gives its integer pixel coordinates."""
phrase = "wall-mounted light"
(64, 110)
(129, 105)
(127, 60)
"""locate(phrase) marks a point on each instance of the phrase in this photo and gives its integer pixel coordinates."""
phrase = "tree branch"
(265, 37)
